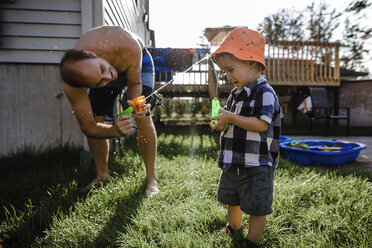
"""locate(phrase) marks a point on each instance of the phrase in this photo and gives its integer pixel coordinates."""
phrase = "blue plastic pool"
(283, 138)
(314, 153)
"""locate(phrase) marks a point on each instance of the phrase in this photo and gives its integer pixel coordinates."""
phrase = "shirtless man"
(105, 60)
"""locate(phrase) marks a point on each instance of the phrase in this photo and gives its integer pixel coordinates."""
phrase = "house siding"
(38, 31)
(31, 115)
(128, 14)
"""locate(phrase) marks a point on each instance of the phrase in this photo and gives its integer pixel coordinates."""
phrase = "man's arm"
(83, 111)
(134, 82)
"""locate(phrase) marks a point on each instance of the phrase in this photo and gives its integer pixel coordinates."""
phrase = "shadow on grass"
(125, 212)
(34, 187)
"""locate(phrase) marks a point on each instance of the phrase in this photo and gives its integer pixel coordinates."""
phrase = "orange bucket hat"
(244, 44)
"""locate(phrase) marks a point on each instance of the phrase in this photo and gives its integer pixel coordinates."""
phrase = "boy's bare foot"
(152, 188)
(230, 230)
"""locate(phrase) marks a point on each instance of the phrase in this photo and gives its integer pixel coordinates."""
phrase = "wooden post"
(212, 80)
(337, 63)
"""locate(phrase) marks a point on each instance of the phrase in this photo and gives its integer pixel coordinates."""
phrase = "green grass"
(42, 207)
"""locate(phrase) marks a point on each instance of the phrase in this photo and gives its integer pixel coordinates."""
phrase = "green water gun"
(216, 110)
(127, 111)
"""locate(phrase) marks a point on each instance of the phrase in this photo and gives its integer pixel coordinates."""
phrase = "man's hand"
(139, 111)
(124, 125)
(222, 119)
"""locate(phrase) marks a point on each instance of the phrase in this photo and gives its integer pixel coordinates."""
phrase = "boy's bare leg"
(234, 216)
(147, 143)
(100, 152)
(256, 228)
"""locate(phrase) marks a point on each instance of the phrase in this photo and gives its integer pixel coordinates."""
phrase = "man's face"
(93, 73)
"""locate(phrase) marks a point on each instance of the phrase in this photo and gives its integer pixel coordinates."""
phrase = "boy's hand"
(139, 111)
(124, 125)
(222, 120)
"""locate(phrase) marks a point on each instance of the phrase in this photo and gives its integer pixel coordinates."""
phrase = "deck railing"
(303, 63)
(288, 64)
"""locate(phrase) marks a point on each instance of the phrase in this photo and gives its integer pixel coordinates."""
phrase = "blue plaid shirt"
(243, 148)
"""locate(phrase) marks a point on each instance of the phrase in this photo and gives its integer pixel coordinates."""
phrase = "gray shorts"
(250, 188)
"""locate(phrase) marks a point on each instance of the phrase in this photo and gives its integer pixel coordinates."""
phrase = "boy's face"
(239, 72)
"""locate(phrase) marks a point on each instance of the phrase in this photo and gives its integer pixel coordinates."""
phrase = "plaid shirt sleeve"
(264, 105)
(240, 147)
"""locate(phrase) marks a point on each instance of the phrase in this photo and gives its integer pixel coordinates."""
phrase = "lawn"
(42, 207)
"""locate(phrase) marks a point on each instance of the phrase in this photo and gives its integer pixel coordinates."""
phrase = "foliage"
(322, 24)
(156, 113)
(354, 36)
(168, 107)
(286, 24)
(358, 6)
(180, 107)
(185, 107)
(195, 107)
(206, 106)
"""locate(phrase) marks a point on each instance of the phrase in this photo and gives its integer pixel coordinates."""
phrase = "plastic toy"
(139, 102)
(127, 111)
(216, 110)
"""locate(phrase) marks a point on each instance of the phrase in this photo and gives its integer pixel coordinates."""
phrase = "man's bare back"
(119, 47)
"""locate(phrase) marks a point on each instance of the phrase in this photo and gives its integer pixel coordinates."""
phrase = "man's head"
(80, 68)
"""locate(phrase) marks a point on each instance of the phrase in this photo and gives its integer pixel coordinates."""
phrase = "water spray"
(139, 102)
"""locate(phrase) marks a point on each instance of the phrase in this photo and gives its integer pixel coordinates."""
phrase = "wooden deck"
(288, 64)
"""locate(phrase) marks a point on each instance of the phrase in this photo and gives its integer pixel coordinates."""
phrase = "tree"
(203, 42)
(358, 6)
(353, 46)
(292, 25)
(354, 36)
(322, 24)
(286, 24)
